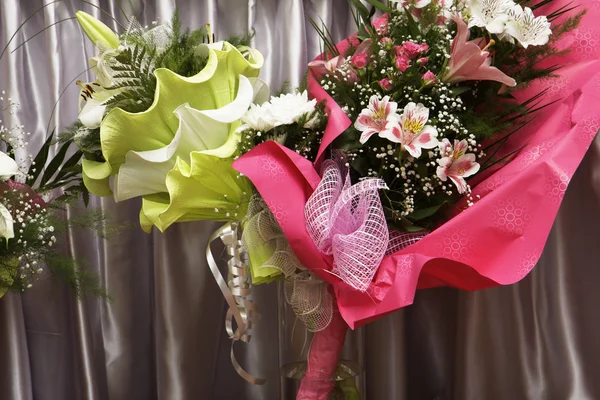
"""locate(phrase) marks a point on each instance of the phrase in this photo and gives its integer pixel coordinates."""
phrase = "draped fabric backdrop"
(163, 337)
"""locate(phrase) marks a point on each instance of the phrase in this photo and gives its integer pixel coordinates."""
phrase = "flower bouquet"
(31, 216)
(446, 154)
(437, 130)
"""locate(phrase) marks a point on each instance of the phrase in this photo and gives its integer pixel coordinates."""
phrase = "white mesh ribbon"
(307, 295)
(347, 222)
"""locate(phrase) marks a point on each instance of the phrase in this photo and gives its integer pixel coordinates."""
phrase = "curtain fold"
(162, 336)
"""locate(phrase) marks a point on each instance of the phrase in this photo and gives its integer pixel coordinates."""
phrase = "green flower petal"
(213, 87)
(208, 189)
(96, 177)
(96, 30)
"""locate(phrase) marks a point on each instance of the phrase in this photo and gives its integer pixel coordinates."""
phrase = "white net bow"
(347, 221)
(307, 295)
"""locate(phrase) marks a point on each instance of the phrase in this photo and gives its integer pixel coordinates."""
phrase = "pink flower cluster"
(407, 52)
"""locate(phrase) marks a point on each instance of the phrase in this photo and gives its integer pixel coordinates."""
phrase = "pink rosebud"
(385, 84)
(429, 77)
(402, 63)
(422, 60)
(360, 60)
(387, 42)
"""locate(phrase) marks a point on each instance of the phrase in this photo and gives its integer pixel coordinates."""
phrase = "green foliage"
(62, 171)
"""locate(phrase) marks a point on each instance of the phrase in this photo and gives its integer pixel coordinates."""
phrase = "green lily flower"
(177, 154)
(96, 31)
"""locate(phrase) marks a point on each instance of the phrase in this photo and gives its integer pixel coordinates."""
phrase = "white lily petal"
(8, 166)
(262, 93)
(127, 183)
(197, 131)
(6, 223)
(91, 114)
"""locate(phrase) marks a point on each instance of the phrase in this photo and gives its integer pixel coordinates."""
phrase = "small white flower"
(258, 118)
(491, 14)
(528, 29)
(290, 108)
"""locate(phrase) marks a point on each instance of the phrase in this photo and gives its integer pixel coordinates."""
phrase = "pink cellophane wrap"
(495, 242)
(325, 351)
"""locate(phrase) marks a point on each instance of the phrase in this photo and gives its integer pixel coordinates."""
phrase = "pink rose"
(402, 63)
(399, 51)
(385, 84)
(360, 60)
(429, 77)
(411, 49)
(422, 60)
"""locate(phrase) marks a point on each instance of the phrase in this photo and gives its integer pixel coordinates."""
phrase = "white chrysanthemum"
(259, 118)
(283, 110)
(491, 14)
(289, 108)
(526, 28)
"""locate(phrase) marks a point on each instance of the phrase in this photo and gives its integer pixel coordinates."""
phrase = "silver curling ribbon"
(236, 291)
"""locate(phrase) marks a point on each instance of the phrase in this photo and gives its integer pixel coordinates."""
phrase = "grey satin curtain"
(163, 337)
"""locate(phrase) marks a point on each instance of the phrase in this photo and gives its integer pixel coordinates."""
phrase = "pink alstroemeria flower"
(411, 131)
(376, 118)
(469, 62)
(320, 68)
(456, 163)
(381, 24)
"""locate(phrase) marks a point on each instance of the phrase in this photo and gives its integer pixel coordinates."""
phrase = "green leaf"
(424, 212)
(40, 160)
(372, 12)
(51, 169)
(412, 24)
(455, 91)
(362, 10)
(69, 165)
(413, 228)
(347, 140)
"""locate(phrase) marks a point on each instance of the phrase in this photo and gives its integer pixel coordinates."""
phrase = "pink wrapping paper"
(495, 242)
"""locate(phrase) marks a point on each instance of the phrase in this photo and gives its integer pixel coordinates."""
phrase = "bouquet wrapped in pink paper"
(453, 131)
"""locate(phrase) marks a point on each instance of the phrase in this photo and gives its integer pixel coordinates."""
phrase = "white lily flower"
(526, 28)
(203, 131)
(8, 166)
(491, 14)
(6, 223)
